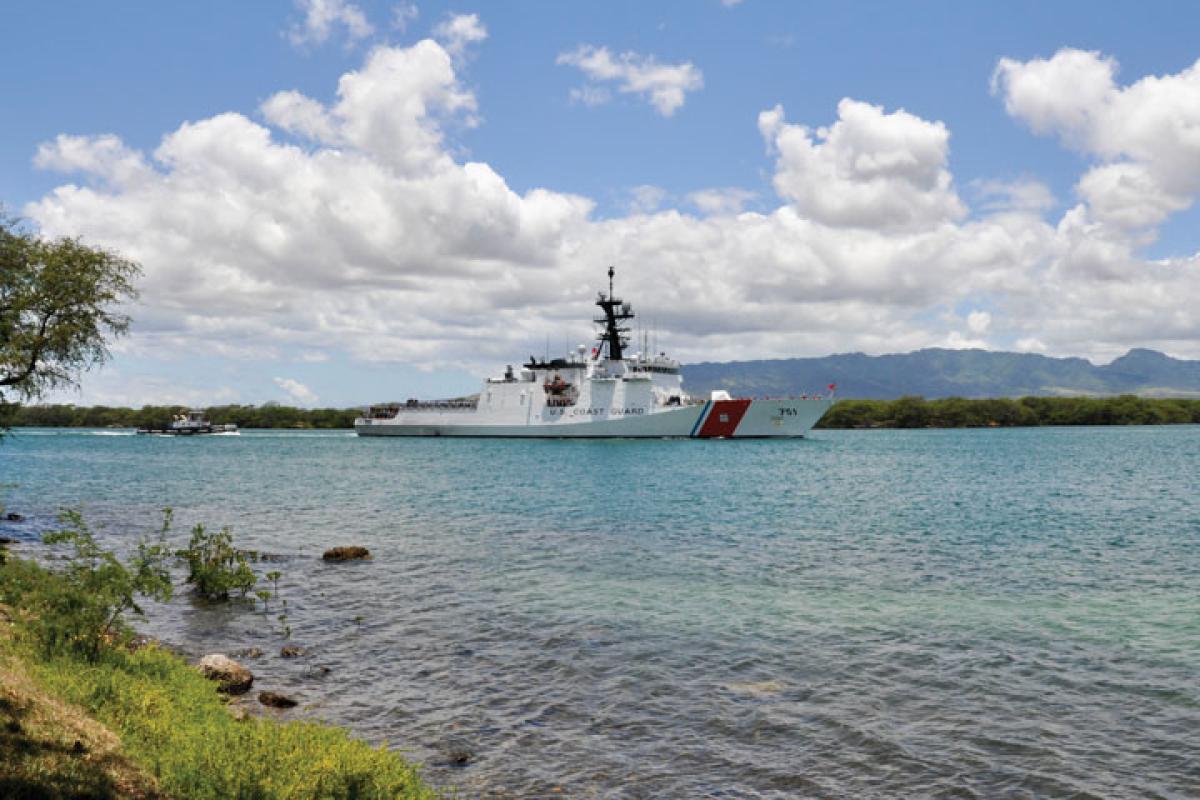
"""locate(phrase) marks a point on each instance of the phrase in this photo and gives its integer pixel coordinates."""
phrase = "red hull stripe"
(723, 419)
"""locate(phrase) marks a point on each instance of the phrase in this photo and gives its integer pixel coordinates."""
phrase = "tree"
(910, 411)
(59, 307)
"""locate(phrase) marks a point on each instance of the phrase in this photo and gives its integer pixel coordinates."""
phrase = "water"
(977, 613)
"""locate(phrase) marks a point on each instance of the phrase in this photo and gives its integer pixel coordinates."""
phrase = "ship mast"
(615, 312)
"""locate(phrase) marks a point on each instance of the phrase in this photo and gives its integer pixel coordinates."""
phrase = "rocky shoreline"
(165, 721)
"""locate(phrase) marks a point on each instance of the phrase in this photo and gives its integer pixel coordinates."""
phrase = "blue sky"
(140, 71)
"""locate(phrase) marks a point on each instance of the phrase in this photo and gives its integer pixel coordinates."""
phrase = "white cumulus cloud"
(403, 14)
(105, 158)
(870, 169)
(375, 243)
(646, 199)
(978, 322)
(1145, 134)
(295, 113)
(1024, 194)
(590, 96)
(664, 85)
(297, 391)
(727, 200)
(458, 31)
(393, 109)
(323, 17)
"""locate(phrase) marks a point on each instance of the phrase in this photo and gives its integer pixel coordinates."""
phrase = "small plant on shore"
(175, 727)
(285, 629)
(267, 595)
(215, 566)
(85, 608)
(273, 576)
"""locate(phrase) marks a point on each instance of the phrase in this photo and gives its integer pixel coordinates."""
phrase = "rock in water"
(232, 676)
(291, 651)
(13, 516)
(346, 554)
(458, 757)
(276, 700)
(456, 752)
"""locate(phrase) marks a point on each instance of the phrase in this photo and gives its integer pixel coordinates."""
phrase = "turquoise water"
(976, 613)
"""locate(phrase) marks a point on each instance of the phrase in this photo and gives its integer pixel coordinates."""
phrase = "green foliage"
(215, 566)
(171, 721)
(266, 595)
(41, 739)
(265, 416)
(958, 412)
(8, 414)
(284, 628)
(58, 301)
(83, 606)
(173, 724)
(905, 412)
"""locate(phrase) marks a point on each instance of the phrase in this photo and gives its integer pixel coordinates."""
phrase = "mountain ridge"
(939, 372)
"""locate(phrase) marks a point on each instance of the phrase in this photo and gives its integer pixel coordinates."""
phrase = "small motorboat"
(193, 423)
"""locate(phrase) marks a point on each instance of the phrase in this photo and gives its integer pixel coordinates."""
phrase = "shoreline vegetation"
(89, 710)
(903, 412)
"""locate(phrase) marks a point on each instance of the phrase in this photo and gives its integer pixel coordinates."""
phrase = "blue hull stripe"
(700, 419)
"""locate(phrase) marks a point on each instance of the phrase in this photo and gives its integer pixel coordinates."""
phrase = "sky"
(336, 202)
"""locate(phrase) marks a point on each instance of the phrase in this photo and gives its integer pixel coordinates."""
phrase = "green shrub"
(215, 566)
(958, 412)
(79, 609)
(174, 725)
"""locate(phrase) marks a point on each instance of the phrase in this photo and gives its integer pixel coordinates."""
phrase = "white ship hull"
(605, 394)
(715, 419)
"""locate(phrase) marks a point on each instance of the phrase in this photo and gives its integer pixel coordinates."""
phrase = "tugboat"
(606, 393)
(193, 423)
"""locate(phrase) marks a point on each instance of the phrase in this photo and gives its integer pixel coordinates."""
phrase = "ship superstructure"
(601, 393)
(193, 423)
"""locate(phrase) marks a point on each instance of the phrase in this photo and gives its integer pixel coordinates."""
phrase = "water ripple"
(961, 614)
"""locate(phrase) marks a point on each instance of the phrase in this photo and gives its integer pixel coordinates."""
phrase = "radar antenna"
(615, 313)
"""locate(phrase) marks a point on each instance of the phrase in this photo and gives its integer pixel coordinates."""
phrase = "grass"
(176, 735)
(51, 749)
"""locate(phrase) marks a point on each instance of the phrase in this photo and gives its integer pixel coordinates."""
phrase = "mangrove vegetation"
(903, 412)
(1002, 412)
(268, 415)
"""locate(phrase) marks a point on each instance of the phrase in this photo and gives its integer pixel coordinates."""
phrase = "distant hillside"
(952, 373)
